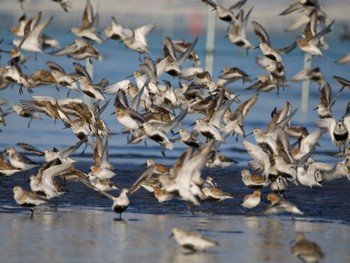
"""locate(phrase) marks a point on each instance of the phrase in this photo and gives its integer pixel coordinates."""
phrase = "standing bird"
(251, 200)
(121, 203)
(306, 250)
(20, 161)
(27, 199)
(253, 181)
(192, 241)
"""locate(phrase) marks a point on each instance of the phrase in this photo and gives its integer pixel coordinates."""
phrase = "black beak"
(248, 134)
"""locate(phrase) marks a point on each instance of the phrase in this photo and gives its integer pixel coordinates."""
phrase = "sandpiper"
(337, 130)
(158, 168)
(121, 203)
(280, 205)
(135, 39)
(306, 250)
(214, 193)
(192, 241)
(344, 59)
(306, 178)
(251, 200)
(27, 199)
(25, 112)
(65, 4)
(78, 50)
(20, 161)
(90, 89)
(253, 181)
(187, 166)
(7, 168)
(32, 40)
(188, 138)
(237, 34)
(61, 77)
(208, 131)
(89, 21)
(223, 13)
(45, 183)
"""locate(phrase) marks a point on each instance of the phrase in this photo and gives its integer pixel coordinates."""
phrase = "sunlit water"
(81, 228)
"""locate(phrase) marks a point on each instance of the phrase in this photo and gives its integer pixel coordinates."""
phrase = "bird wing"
(30, 148)
(260, 157)
(143, 177)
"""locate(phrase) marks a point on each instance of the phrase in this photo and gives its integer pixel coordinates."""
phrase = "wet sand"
(86, 235)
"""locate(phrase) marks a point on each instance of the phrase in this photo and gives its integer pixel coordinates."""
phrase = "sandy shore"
(82, 235)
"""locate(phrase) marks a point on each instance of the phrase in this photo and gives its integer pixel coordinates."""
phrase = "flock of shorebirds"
(151, 108)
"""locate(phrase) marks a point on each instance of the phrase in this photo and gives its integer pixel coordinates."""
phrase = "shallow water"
(81, 227)
(94, 236)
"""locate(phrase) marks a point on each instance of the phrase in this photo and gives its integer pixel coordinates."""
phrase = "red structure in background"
(195, 26)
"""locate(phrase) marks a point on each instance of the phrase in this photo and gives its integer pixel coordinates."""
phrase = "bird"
(157, 135)
(78, 50)
(310, 43)
(308, 179)
(220, 160)
(62, 78)
(232, 74)
(121, 202)
(208, 131)
(65, 4)
(280, 205)
(337, 130)
(134, 39)
(237, 34)
(158, 168)
(90, 89)
(188, 138)
(33, 39)
(27, 199)
(192, 241)
(6, 168)
(187, 167)
(89, 21)
(253, 181)
(344, 59)
(223, 13)
(25, 113)
(45, 183)
(306, 250)
(215, 193)
(50, 155)
(20, 161)
(251, 200)
(343, 82)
